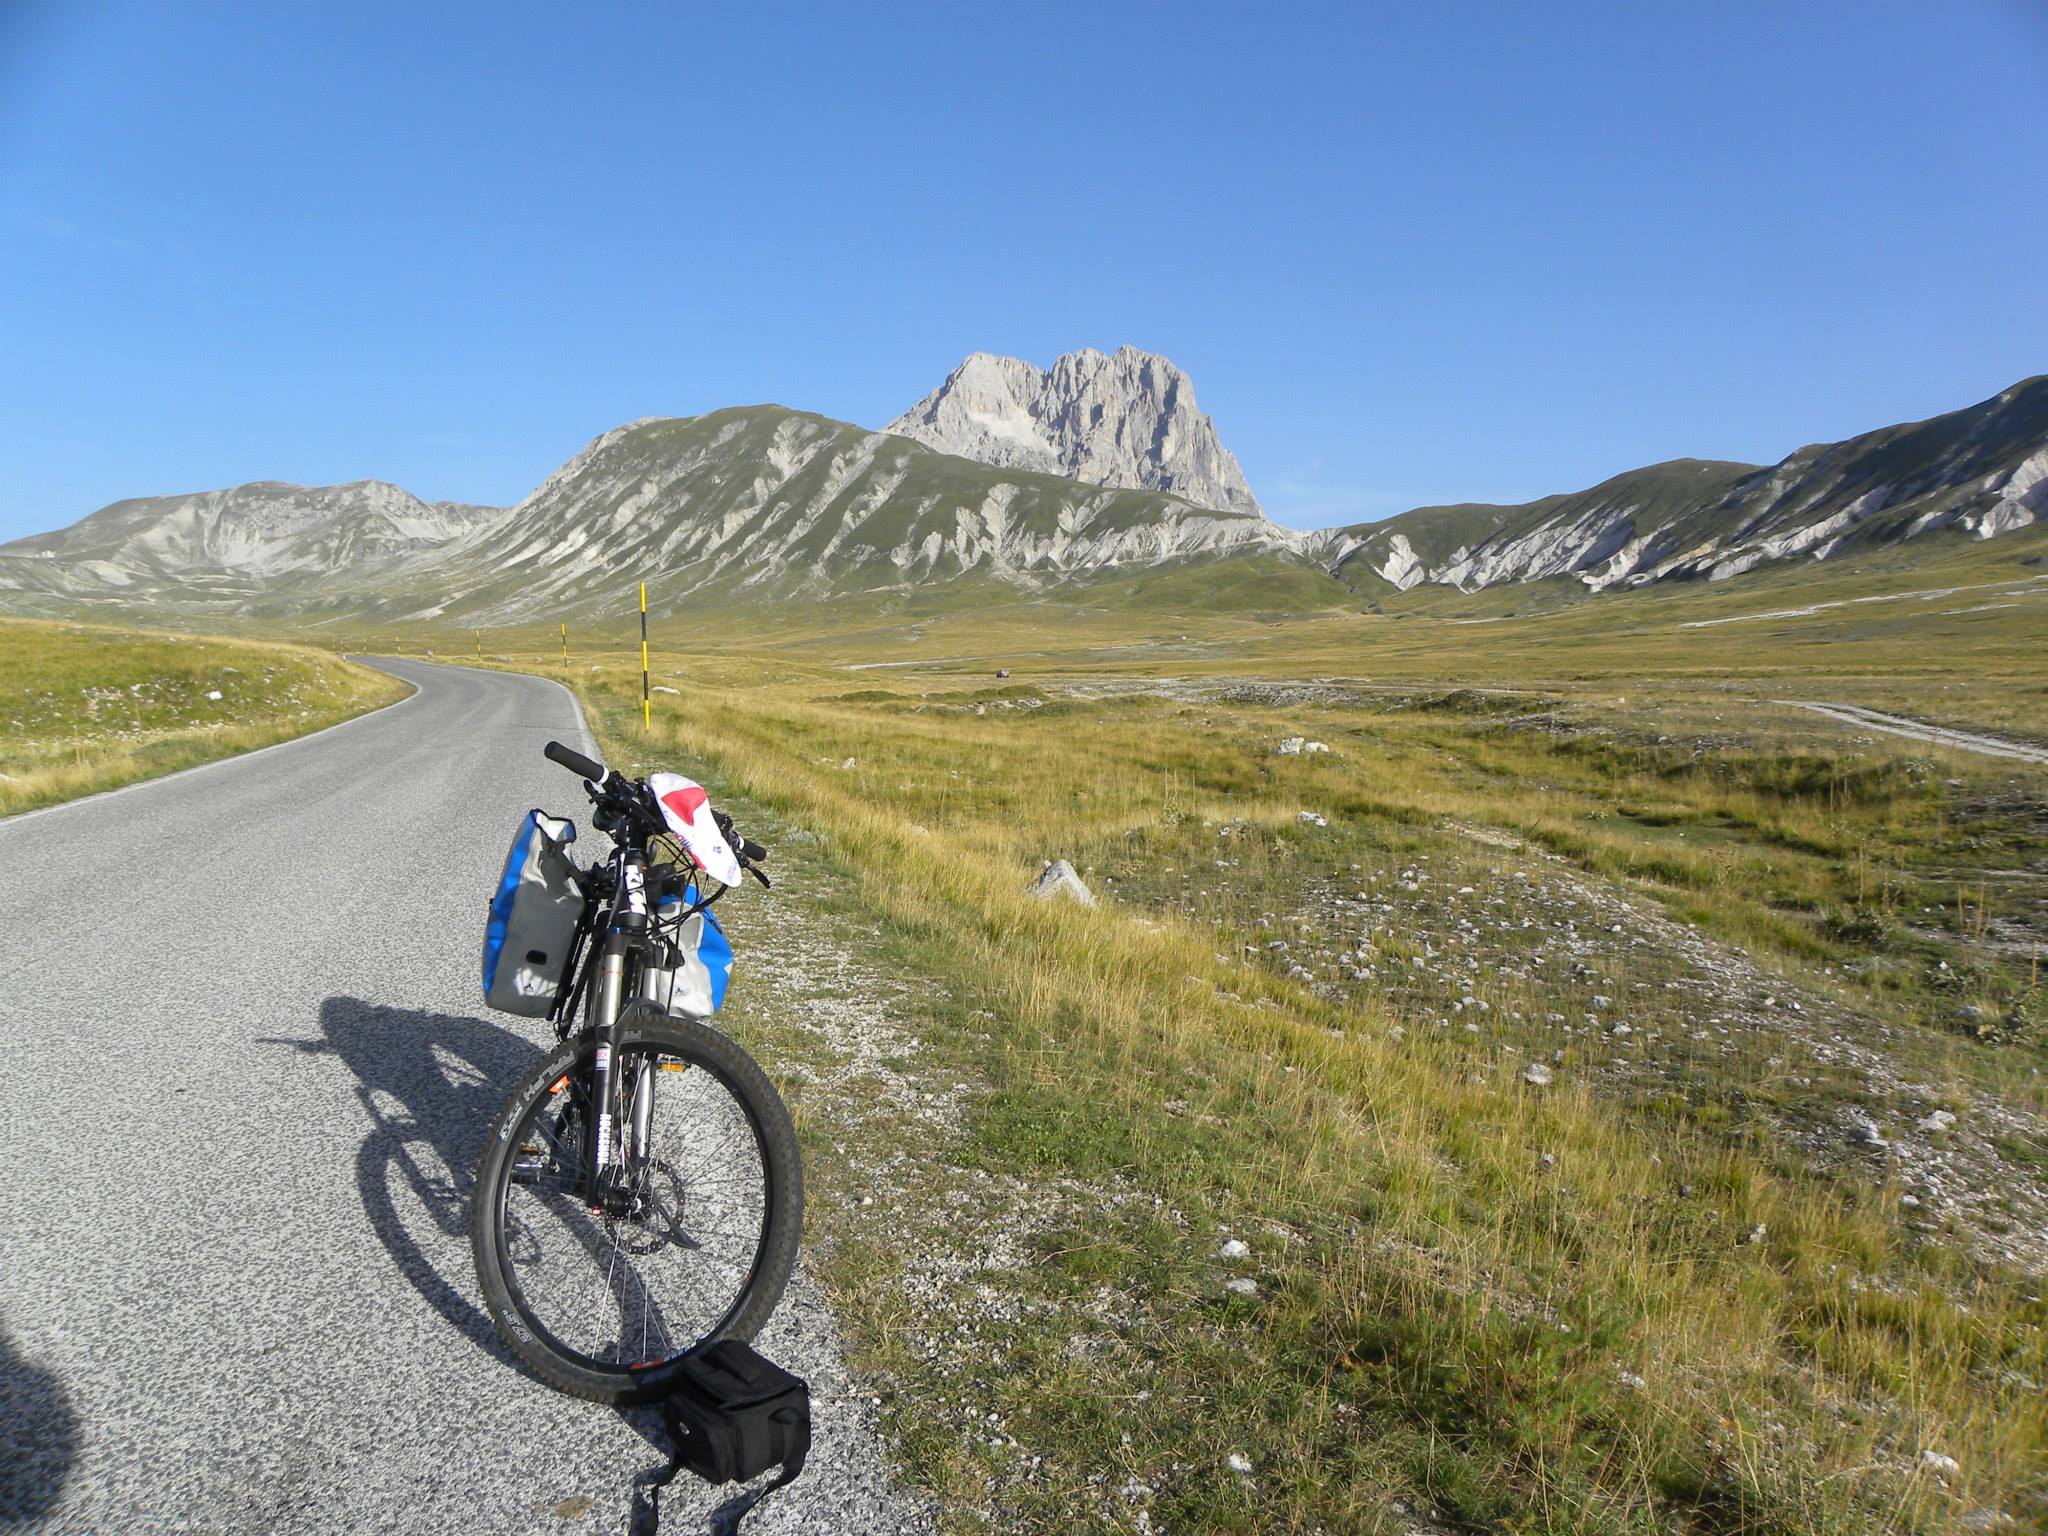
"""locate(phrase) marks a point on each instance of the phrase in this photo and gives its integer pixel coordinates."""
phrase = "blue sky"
(1409, 253)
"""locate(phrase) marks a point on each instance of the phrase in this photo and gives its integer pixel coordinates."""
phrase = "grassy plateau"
(86, 707)
(1596, 1093)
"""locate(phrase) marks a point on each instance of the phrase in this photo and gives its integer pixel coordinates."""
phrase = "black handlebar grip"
(751, 850)
(574, 761)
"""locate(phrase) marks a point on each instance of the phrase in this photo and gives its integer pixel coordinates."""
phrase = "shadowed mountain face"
(767, 502)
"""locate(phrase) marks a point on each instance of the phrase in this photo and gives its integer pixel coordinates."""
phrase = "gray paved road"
(247, 1073)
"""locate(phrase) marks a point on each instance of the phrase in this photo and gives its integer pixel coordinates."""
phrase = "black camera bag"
(733, 1415)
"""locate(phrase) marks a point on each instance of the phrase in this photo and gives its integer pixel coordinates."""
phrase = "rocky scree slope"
(1983, 470)
(1128, 418)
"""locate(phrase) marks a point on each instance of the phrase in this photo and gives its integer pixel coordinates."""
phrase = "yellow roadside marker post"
(565, 644)
(479, 644)
(646, 708)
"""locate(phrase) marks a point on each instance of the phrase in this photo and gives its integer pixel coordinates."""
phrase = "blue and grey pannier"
(533, 918)
(694, 964)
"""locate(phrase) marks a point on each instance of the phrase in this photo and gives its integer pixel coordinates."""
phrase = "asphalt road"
(247, 1075)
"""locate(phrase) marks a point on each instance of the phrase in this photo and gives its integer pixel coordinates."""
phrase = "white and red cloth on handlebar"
(687, 810)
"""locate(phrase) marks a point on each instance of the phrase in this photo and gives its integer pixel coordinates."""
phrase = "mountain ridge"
(1983, 468)
(767, 502)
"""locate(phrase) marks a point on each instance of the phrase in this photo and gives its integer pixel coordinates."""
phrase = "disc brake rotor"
(654, 1217)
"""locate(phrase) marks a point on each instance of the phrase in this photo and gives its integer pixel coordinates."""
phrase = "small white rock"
(1940, 1465)
(1237, 1461)
(214, 694)
(1233, 1249)
(1059, 879)
(1290, 746)
(1536, 1073)
(1242, 1286)
(1937, 1124)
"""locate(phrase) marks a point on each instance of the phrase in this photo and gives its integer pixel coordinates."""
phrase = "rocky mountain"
(743, 502)
(766, 499)
(1127, 419)
(1982, 470)
(764, 502)
(234, 547)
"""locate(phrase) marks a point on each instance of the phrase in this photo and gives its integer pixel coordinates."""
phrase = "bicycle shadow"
(40, 1441)
(431, 1084)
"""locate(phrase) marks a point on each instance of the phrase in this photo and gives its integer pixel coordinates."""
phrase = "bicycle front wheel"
(691, 1239)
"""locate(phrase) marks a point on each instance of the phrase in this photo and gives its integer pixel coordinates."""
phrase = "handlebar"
(629, 800)
(575, 761)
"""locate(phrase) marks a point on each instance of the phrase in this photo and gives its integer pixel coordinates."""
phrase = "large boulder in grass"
(1059, 879)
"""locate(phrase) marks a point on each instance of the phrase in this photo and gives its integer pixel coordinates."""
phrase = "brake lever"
(756, 873)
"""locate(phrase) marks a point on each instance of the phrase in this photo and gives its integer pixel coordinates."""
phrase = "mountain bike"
(640, 1192)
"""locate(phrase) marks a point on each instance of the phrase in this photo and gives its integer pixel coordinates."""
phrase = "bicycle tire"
(509, 1164)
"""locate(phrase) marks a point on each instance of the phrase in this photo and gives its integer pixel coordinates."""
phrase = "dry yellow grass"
(1452, 1314)
(87, 707)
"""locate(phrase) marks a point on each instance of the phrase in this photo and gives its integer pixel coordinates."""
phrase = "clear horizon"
(1405, 259)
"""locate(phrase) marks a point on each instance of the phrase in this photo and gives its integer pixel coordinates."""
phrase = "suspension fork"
(626, 935)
